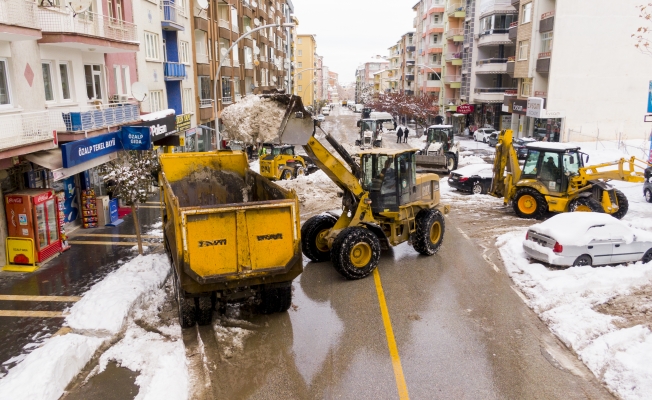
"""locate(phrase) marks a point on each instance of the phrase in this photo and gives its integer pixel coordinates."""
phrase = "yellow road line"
(41, 314)
(14, 297)
(139, 206)
(152, 202)
(105, 243)
(391, 341)
(118, 235)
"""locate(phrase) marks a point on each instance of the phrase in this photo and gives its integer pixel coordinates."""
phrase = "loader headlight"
(367, 201)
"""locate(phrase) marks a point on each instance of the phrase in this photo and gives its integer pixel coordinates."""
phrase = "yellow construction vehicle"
(279, 162)
(555, 179)
(384, 201)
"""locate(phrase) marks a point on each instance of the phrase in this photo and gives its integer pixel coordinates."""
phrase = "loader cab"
(371, 128)
(389, 177)
(553, 164)
(272, 151)
(441, 134)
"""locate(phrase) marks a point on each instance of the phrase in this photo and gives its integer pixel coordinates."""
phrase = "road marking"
(118, 235)
(14, 297)
(464, 234)
(105, 243)
(391, 341)
(488, 260)
(159, 207)
(41, 314)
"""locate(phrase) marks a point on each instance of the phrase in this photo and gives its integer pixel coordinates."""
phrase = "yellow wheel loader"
(384, 201)
(555, 179)
(281, 163)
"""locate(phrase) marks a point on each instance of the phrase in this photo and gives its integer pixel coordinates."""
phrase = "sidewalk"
(94, 254)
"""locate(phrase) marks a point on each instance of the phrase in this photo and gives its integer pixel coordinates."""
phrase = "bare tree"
(642, 34)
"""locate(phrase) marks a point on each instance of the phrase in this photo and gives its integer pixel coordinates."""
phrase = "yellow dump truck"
(230, 234)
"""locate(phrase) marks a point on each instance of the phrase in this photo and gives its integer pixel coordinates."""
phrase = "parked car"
(482, 134)
(493, 139)
(474, 178)
(587, 238)
(521, 149)
(647, 186)
(320, 117)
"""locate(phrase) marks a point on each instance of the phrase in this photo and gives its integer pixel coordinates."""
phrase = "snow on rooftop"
(157, 115)
(473, 169)
(552, 146)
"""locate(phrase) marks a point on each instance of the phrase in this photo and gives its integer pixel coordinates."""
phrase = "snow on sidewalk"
(566, 300)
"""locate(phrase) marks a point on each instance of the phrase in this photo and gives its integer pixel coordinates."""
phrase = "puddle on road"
(122, 382)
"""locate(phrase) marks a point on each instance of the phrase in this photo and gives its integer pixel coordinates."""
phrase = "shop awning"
(52, 160)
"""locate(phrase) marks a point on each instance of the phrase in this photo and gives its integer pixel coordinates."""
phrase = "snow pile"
(468, 160)
(566, 300)
(316, 191)
(104, 308)
(253, 120)
(45, 372)
(153, 116)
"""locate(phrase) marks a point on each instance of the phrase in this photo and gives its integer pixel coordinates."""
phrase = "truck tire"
(623, 205)
(185, 306)
(299, 171)
(529, 203)
(429, 233)
(355, 253)
(585, 204)
(275, 298)
(451, 162)
(204, 307)
(312, 231)
(286, 175)
(647, 193)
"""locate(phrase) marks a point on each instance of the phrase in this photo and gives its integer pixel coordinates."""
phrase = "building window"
(188, 104)
(117, 80)
(64, 74)
(526, 88)
(546, 42)
(249, 85)
(152, 47)
(47, 81)
(435, 18)
(126, 79)
(155, 100)
(93, 75)
(435, 59)
(205, 88)
(526, 16)
(432, 76)
(5, 98)
(435, 39)
(300, 89)
(226, 90)
(248, 56)
(300, 53)
(300, 65)
(236, 88)
(523, 47)
(184, 52)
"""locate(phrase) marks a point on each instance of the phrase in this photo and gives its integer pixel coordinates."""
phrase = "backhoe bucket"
(297, 126)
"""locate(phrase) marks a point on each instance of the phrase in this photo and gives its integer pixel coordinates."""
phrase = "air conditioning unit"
(124, 98)
(114, 98)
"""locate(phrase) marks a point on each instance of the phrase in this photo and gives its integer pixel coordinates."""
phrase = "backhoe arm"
(626, 171)
(503, 185)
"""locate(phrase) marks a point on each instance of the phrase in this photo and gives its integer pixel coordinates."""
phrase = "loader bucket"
(297, 126)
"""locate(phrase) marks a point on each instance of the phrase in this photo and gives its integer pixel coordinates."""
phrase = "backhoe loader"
(384, 201)
(555, 179)
(441, 150)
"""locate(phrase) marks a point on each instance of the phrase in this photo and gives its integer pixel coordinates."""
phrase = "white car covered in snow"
(586, 238)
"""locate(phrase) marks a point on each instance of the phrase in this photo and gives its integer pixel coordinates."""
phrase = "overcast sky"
(349, 32)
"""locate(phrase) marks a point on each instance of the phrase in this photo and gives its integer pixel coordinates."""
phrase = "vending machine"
(33, 213)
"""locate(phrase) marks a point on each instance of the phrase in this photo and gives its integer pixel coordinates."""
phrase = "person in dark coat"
(399, 135)
(405, 134)
(394, 124)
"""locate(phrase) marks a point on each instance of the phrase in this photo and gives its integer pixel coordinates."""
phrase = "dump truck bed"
(226, 226)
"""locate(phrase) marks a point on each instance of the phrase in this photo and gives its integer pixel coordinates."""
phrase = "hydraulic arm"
(503, 184)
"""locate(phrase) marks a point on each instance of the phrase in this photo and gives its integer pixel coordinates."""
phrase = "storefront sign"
(113, 210)
(554, 114)
(535, 107)
(465, 109)
(649, 98)
(136, 138)
(183, 122)
(161, 129)
(20, 252)
(80, 151)
(520, 107)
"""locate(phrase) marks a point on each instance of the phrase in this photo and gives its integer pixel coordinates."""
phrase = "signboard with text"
(535, 107)
(183, 122)
(80, 151)
(519, 107)
(465, 109)
(136, 138)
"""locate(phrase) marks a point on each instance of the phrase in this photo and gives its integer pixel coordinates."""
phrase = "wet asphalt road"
(461, 331)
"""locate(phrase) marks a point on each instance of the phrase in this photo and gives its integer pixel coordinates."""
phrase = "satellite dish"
(139, 91)
(256, 22)
(203, 4)
(254, 4)
(256, 50)
(79, 6)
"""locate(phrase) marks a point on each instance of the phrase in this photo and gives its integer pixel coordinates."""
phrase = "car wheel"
(299, 171)
(477, 188)
(648, 195)
(583, 261)
(529, 203)
(585, 204)
(647, 257)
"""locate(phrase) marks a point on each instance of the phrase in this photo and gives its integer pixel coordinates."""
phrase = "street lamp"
(225, 53)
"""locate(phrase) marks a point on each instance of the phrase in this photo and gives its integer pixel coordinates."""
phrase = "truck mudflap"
(239, 241)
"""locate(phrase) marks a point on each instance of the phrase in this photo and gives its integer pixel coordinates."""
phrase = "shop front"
(531, 119)
(461, 118)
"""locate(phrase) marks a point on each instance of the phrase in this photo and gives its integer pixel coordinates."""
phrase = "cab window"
(530, 166)
(571, 163)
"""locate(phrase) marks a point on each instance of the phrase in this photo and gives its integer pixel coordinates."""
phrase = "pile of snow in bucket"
(253, 119)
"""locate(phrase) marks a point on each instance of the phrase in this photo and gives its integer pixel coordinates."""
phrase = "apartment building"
(306, 68)
(333, 79)
(319, 78)
(324, 81)
(563, 91)
(407, 59)
(260, 61)
(365, 74)
(382, 81)
(393, 67)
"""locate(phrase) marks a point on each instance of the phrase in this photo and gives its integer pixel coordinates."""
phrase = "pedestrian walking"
(394, 121)
(405, 134)
(399, 134)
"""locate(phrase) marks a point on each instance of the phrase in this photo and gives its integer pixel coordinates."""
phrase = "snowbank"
(45, 372)
(468, 160)
(104, 309)
(253, 120)
(566, 301)
(157, 115)
(316, 191)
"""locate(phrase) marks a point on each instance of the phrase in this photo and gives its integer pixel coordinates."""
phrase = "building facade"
(365, 75)
(306, 68)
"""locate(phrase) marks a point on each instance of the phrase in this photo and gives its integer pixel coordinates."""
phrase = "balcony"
(24, 133)
(457, 34)
(491, 95)
(494, 37)
(491, 66)
(411, 48)
(249, 65)
(509, 67)
(89, 118)
(547, 22)
(227, 100)
(409, 77)
(456, 9)
(543, 63)
(173, 15)
(18, 20)
(201, 58)
(435, 49)
(205, 103)
(174, 71)
(86, 30)
(513, 30)
(454, 58)
(454, 81)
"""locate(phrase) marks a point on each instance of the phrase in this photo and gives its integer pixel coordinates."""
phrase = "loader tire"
(355, 253)
(529, 203)
(286, 175)
(451, 162)
(275, 298)
(623, 205)
(429, 233)
(585, 204)
(312, 232)
(185, 306)
(204, 306)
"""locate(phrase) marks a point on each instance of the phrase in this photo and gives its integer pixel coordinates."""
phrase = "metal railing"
(26, 128)
(19, 12)
(100, 116)
(227, 100)
(452, 78)
(61, 19)
(454, 56)
(491, 61)
(201, 58)
(493, 90)
(171, 11)
(222, 23)
(205, 103)
(454, 32)
(174, 70)
(454, 7)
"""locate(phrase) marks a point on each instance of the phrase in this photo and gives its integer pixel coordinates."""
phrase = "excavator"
(384, 201)
(555, 178)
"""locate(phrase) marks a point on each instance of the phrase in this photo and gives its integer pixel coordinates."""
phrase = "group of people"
(402, 134)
